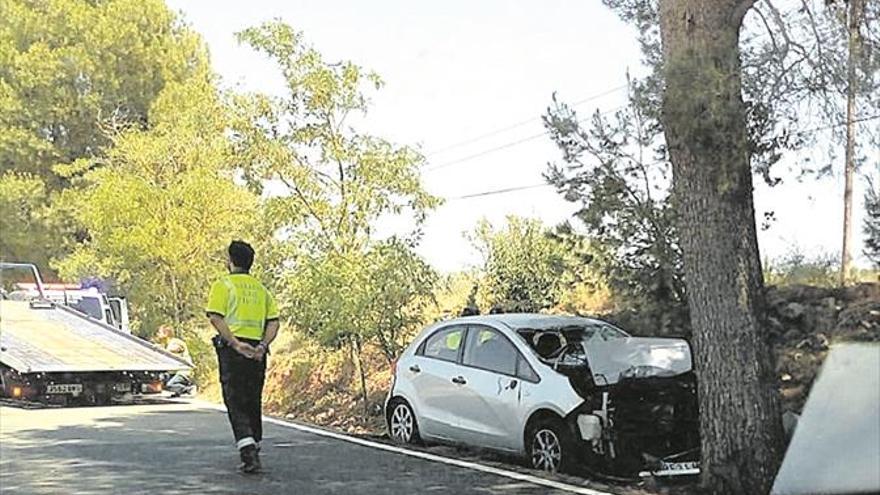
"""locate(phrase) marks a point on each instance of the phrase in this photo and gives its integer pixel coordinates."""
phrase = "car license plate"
(677, 469)
(65, 388)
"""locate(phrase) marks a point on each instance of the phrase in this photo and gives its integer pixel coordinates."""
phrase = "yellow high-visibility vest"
(244, 303)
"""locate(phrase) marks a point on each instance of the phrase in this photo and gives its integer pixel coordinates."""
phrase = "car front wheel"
(549, 448)
(402, 424)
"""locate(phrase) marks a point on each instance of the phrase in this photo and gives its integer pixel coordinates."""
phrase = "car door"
(432, 371)
(491, 415)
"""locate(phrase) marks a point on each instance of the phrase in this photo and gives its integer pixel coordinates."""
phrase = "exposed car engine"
(640, 407)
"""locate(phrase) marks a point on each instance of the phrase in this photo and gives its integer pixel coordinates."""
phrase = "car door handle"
(459, 380)
(415, 368)
(512, 385)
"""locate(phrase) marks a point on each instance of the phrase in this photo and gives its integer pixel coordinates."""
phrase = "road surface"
(172, 448)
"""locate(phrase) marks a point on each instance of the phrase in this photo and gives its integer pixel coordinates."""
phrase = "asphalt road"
(176, 448)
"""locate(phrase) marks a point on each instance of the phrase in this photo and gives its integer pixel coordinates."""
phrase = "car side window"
(524, 370)
(443, 344)
(489, 350)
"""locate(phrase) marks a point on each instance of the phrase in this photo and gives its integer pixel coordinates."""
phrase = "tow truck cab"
(110, 310)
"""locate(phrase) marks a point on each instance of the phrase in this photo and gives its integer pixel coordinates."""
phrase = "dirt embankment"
(805, 321)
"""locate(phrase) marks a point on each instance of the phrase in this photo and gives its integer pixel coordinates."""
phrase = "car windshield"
(602, 331)
(550, 342)
(597, 329)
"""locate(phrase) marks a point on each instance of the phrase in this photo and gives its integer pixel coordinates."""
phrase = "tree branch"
(305, 202)
(769, 30)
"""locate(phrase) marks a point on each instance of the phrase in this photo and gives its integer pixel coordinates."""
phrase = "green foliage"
(327, 186)
(452, 294)
(331, 178)
(525, 267)
(22, 211)
(796, 268)
(72, 74)
(69, 68)
(164, 205)
(617, 171)
(379, 296)
(872, 223)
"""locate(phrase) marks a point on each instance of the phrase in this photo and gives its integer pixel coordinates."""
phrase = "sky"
(467, 81)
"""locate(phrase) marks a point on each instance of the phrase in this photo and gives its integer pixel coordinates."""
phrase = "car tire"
(549, 447)
(403, 427)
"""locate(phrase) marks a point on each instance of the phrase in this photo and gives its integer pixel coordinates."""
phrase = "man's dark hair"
(241, 254)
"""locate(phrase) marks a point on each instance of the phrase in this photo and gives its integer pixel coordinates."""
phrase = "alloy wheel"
(402, 423)
(546, 451)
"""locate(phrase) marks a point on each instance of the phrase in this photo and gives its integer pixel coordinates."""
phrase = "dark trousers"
(242, 382)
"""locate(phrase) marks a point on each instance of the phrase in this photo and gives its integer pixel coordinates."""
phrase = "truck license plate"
(65, 388)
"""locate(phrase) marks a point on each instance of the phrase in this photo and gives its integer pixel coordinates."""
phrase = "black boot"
(250, 460)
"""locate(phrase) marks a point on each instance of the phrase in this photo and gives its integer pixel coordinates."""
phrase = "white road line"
(426, 456)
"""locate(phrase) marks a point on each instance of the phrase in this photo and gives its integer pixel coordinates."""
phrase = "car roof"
(522, 321)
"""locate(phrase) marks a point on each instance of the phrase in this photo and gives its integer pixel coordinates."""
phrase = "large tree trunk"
(705, 124)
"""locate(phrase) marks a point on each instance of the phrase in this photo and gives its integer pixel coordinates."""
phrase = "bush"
(310, 382)
(796, 268)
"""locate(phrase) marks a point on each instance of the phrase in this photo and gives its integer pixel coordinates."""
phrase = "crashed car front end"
(643, 425)
(640, 409)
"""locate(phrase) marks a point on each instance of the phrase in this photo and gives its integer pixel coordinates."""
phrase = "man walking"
(246, 318)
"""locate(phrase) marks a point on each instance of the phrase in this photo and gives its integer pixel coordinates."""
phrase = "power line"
(500, 191)
(839, 124)
(535, 186)
(486, 152)
(506, 145)
(519, 124)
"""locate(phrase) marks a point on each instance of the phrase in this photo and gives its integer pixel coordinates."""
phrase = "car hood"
(636, 357)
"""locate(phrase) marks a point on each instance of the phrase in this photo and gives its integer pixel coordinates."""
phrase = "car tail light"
(394, 369)
(16, 392)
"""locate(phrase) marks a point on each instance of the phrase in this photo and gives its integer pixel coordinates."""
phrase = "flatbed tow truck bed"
(51, 352)
(58, 339)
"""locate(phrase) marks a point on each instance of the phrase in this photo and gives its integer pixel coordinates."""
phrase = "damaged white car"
(563, 392)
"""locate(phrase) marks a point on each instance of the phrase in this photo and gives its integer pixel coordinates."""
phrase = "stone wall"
(804, 321)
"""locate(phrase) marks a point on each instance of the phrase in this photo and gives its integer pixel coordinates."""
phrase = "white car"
(560, 391)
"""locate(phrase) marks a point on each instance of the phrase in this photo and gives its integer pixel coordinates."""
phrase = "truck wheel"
(3, 391)
(6, 383)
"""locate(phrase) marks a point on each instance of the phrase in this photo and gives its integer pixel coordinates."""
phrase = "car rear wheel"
(402, 424)
(549, 448)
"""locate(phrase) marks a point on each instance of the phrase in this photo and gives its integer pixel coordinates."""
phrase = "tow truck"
(52, 352)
